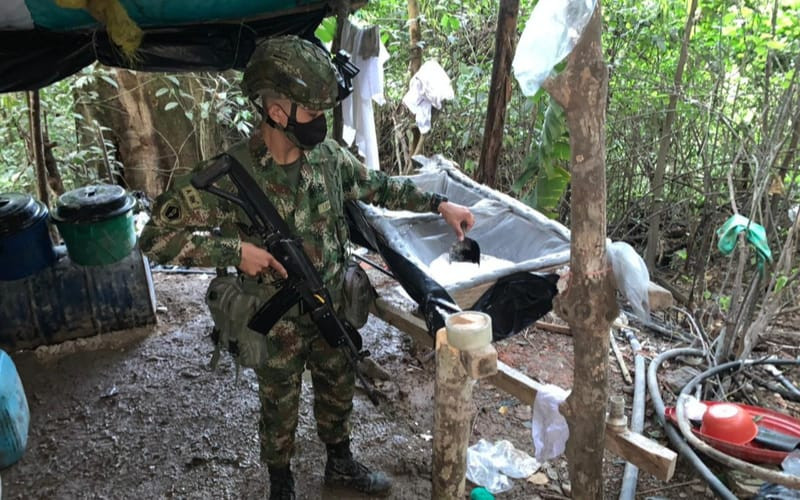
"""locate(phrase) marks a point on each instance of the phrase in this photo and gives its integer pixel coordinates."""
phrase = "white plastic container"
(468, 330)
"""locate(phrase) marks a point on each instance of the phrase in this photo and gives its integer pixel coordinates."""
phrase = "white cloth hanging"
(369, 55)
(429, 87)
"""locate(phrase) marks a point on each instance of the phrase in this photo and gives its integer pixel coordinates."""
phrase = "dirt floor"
(137, 414)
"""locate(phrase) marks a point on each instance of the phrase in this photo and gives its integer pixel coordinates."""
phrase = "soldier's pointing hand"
(256, 260)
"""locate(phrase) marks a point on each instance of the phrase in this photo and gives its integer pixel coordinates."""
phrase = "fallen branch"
(626, 375)
(668, 487)
(552, 327)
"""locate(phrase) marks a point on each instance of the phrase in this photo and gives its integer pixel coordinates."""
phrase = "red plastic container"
(751, 451)
(728, 422)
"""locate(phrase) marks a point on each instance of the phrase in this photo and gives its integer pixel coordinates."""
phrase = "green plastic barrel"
(96, 223)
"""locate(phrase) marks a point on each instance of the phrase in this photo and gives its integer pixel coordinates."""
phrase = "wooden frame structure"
(635, 448)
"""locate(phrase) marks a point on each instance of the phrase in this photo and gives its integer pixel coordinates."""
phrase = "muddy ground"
(137, 414)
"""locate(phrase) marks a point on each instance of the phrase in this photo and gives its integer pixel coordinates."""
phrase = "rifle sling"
(295, 289)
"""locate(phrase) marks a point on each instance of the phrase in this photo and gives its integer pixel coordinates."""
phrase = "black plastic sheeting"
(514, 302)
(517, 301)
(32, 59)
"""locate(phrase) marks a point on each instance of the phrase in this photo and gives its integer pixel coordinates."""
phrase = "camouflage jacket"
(195, 228)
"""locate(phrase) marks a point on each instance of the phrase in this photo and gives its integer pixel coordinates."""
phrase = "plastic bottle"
(14, 414)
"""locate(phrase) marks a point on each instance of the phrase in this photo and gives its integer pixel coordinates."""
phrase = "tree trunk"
(504, 43)
(589, 303)
(133, 126)
(50, 163)
(414, 63)
(138, 145)
(654, 231)
(415, 57)
(89, 127)
(37, 141)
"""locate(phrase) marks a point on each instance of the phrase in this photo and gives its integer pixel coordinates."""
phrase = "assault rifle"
(304, 284)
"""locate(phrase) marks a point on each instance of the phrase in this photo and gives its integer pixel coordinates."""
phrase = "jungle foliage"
(733, 145)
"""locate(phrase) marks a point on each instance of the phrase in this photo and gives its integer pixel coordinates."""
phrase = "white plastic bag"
(548, 427)
(429, 87)
(491, 465)
(549, 35)
(632, 277)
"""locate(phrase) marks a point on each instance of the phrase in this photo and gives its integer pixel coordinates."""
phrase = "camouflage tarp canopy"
(41, 42)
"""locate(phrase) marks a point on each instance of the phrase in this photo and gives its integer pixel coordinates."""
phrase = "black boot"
(343, 470)
(281, 483)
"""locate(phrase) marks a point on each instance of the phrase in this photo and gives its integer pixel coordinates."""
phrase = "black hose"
(732, 462)
(665, 332)
(631, 474)
(772, 387)
(792, 389)
(674, 436)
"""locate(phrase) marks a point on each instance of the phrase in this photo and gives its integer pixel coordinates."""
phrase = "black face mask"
(303, 135)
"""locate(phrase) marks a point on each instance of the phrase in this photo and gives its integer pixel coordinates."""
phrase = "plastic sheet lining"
(521, 291)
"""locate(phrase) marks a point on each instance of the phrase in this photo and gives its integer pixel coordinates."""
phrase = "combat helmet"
(295, 68)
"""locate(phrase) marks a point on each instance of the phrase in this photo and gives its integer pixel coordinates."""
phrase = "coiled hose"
(674, 436)
(772, 476)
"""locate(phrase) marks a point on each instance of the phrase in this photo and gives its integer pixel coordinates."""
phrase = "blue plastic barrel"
(14, 414)
(25, 245)
(69, 301)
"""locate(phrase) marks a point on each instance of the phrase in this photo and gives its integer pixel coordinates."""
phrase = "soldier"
(292, 82)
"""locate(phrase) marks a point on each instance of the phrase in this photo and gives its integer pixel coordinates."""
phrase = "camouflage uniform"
(195, 228)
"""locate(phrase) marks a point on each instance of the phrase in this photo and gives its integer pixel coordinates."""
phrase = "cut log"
(456, 372)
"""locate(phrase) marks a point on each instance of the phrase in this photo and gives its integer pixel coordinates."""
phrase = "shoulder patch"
(191, 196)
(324, 206)
(171, 211)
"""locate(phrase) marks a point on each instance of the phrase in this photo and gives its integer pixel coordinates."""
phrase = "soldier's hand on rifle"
(256, 260)
(457, 216)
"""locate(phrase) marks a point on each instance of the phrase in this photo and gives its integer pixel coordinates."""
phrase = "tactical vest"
(234, 299)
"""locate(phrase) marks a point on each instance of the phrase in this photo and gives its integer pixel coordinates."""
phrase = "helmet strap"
(291, 121)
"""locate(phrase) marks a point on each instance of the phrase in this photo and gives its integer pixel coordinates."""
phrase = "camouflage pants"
(291, 346)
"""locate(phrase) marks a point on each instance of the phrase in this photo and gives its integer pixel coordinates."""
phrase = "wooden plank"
(659, 297)
(642, 452)
(635, 448)
(516, 383)
(466, 298)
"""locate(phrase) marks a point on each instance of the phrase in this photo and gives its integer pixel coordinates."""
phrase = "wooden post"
(342, 12)
(414, 63)
(456, 372)
(500, 93)
(35, 116)
(589, 303)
